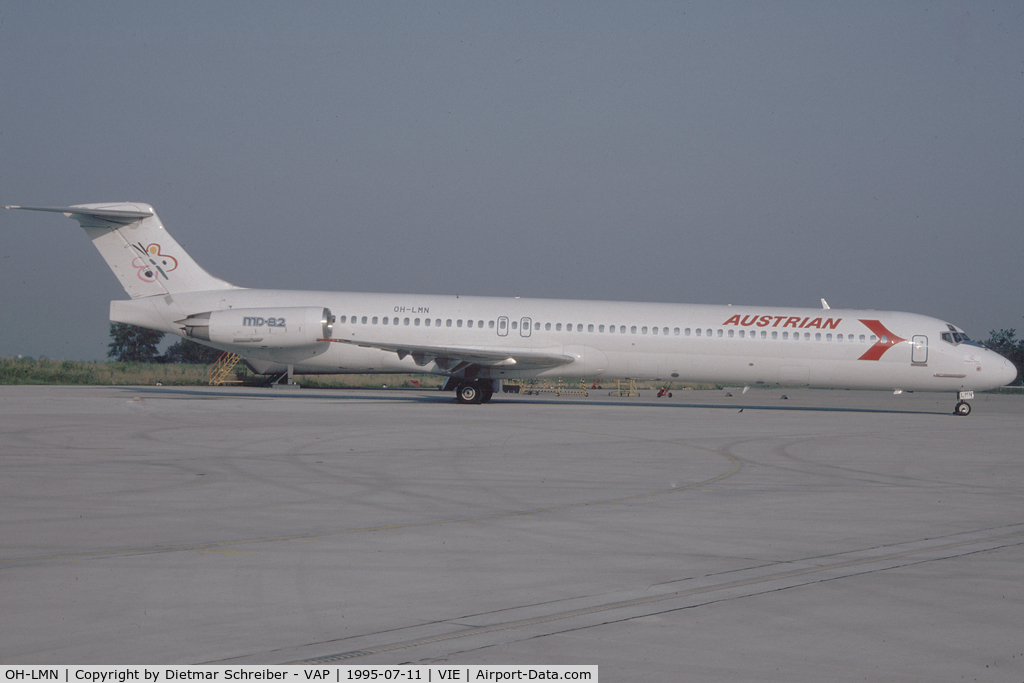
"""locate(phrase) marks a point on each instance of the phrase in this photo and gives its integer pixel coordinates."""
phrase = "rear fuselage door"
(525, 327)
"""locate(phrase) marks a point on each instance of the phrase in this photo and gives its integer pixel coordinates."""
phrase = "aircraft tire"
(962, 408)
(469, 393)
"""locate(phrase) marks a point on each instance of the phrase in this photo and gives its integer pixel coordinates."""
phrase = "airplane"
(478, 342)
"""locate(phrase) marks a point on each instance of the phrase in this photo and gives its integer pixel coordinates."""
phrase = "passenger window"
(490, 324)
(633, 329)
(622, 329)
(743, 333)
(364, 319)
(731, 333)
(374, 321)
(458, 323)
(515, 325)
(643, 330)
(708, 332)
(675, 331)
(386, 320)
(579, 327)
(416, 322)
(448, 322)
(785, 335)
(764, 335)
(698, 331)
(817, 336)
(775, 335)
(590, 328)
(405, 322)
(654, 330)
(426, 322)
(687, 332)
(547, 327)
(720, 333)
(558, 327)
(600, 328)
(342, 318)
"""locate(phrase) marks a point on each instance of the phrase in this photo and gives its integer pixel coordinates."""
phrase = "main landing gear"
(963, 407)
(474, 391)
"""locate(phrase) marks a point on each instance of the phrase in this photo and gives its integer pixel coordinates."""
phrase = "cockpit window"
(954, 337)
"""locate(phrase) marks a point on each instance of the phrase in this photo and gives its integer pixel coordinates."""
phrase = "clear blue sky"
(716, 152)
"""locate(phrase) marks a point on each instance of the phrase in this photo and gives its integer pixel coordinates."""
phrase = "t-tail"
(143, 256)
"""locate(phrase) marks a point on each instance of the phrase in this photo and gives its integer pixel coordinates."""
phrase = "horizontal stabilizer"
(117, 216)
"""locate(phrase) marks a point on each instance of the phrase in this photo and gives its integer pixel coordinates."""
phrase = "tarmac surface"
(829, 535)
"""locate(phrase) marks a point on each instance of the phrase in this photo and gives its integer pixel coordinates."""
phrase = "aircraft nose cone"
(1007, 373)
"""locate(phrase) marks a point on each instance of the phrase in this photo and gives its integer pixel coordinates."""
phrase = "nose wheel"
(963, 407)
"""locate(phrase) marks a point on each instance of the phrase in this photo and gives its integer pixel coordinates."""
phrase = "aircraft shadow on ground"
(439, 397)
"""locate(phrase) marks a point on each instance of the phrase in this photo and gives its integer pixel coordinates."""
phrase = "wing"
(455, 359)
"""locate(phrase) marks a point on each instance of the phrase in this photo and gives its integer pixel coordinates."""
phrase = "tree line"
(139, 345)
(131, 344)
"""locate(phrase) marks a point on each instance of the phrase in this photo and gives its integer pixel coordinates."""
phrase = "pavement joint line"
(736, 465)
(621, 604)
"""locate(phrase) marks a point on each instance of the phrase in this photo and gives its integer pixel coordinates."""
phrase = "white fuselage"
(743, 345)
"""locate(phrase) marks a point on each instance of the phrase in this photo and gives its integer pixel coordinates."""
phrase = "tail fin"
(143, 256)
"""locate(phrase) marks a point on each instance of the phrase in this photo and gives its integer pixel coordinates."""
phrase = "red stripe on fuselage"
(886, 340)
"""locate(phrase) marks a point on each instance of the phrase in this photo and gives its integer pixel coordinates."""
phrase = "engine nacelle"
(281, 328)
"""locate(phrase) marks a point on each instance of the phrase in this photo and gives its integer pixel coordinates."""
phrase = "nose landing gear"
(963, 407)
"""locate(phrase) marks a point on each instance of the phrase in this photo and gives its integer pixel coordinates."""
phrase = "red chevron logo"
(886, 340)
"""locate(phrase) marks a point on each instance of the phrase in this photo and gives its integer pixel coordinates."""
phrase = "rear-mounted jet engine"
(261, 327)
